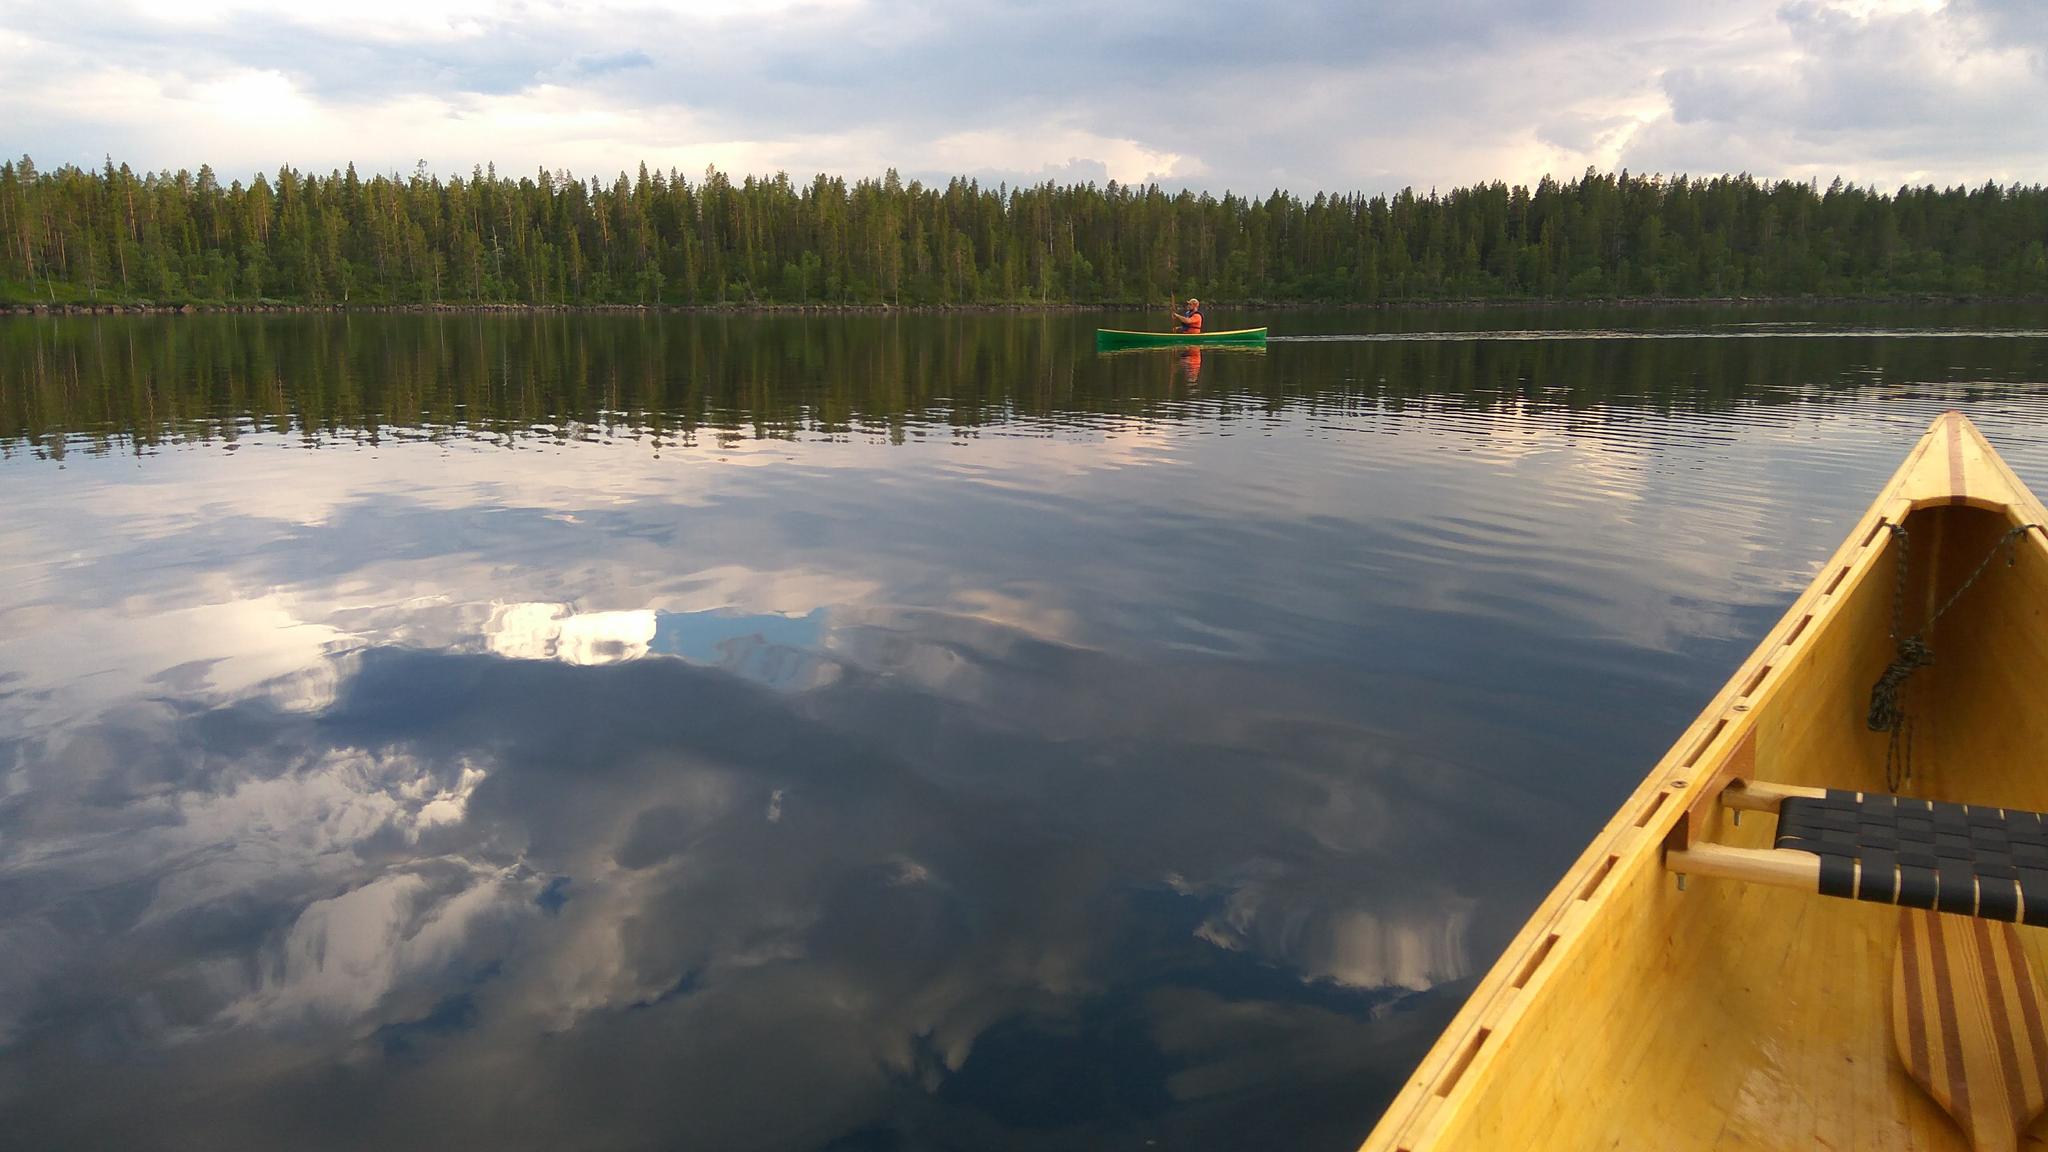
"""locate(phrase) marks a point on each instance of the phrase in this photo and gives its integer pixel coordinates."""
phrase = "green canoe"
(1112, 338)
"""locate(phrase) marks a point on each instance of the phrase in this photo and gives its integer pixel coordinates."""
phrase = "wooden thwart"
(1783, 867)
(1972, 860)
(1780, 866)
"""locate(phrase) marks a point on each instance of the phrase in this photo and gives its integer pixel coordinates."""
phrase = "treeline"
(73, 235)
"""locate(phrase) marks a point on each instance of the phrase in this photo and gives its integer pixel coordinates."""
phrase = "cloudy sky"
(1302, 94)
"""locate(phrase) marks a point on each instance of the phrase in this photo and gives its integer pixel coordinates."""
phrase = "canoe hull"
(1115, 338)
(1629, 1012)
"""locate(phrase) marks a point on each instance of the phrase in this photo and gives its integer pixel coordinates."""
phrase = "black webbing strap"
(1962, 858)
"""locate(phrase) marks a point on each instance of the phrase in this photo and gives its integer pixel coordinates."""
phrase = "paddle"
(1968, 1018)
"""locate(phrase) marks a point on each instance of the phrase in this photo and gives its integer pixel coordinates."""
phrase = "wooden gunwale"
(1154, 335)
(1950, 465)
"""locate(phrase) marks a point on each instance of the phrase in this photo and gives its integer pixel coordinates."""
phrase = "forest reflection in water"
(672, 378)
(852, 732)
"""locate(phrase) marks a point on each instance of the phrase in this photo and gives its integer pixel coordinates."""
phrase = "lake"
(862, 732)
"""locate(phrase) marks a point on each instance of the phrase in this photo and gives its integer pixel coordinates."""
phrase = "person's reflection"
(1191, 364)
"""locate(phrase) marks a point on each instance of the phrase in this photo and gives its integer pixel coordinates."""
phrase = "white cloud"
(1127, 161)
(232, 648)
(344, 954)
(1879, 91)
(359, 19)
(1350, 97)
(559, 632)
(1413, 950)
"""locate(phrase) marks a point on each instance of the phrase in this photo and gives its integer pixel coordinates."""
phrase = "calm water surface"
(860, 733)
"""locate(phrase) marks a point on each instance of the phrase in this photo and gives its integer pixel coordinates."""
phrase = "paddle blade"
(1968, 1018)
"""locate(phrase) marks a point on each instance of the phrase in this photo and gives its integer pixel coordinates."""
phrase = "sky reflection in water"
(970, 765)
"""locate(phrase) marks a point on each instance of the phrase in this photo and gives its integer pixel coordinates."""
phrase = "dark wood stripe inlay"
(1996, 1000)
(2030, 1006)
(1916, 1010)
(1951, 1028)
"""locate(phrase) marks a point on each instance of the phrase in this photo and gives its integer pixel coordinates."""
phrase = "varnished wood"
(1781, 866)
(1734, 771)
(1764, 796)
(1967, 1013)
(1784, 867)
(1630, 1014)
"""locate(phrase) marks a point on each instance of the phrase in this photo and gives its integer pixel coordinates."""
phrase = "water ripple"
(976, 740)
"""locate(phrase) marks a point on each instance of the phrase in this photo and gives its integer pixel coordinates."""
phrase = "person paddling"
(1190, 320)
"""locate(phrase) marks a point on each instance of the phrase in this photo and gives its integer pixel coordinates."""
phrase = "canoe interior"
(1631, 1014)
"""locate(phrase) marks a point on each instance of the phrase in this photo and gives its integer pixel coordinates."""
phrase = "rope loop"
(1887, 710)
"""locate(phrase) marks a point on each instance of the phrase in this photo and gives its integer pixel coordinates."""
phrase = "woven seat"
(1962, 858)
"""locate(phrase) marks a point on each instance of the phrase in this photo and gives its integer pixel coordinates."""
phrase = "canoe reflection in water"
(1186, 360)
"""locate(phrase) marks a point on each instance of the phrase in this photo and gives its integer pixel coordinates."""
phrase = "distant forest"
(75, 235)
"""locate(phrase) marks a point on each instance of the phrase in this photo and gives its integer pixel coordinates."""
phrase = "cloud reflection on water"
(366, 872)
(1004, 791)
